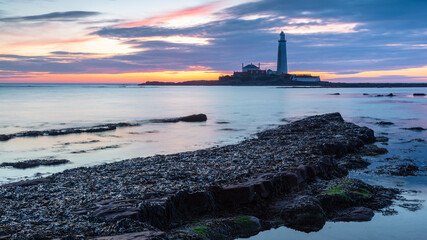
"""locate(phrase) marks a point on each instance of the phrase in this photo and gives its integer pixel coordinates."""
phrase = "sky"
(133, 41)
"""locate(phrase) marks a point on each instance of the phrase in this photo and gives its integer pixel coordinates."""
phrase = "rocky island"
(292, 175)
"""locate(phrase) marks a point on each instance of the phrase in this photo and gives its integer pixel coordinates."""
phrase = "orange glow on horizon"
(138, 77)
(420, 72)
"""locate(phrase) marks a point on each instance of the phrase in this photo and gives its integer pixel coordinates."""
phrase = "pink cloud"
(194, 11)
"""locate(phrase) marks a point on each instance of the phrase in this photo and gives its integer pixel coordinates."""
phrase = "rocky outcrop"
(354, 214)
(191, 118)
(304, 214)
(146, 235)
(34, 163)
(168, 191)
(101, 128)
(27, 183)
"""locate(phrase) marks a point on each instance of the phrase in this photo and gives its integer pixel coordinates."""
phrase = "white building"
(282, 60)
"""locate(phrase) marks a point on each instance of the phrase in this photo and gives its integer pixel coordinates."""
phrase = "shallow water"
(246, 110)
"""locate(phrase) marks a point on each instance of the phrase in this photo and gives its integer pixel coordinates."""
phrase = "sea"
(234, 114)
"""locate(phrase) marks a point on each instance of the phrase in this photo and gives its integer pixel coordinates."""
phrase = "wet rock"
(194, 118)
(224, 228)
(381, 139)
(5, 137)
(373, 150)
(190, 118)
(419, 94)
(390, 95)
(336, 94)
(222, 122)
(229, 129)
(384, 123)
(303, 214)
(34, 163)
(344, 193)
(100, 128)
(27, 183)
(399, 170)
(354, 214)
(248, 225)
(415, 129)
(365, 94)
(146, 235)
(116, 210)
(353, 162)
(191, 205)
(234, 195)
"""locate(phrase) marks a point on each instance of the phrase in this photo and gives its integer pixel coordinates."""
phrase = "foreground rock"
(34, 163)
(169, 192)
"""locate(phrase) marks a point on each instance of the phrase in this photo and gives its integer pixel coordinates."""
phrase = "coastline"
(295, 84)
(146, 194)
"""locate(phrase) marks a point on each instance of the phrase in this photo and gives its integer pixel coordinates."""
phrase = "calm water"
(247, 109)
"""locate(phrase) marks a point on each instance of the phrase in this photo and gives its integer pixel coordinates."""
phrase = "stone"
(116, 210)
(234, 195)
(4, 137)
(146, 235)
(303, 214)
(355, 214)
(345, 193)
(384, 123)
(191, 205)
(34, 163)
(381, 139)
(419, 94)
(194, 118)
(415, 129)
(27, 183)
(191, 118)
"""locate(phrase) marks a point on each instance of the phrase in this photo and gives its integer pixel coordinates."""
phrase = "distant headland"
(252, 75)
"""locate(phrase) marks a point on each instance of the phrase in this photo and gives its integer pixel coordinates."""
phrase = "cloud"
(54, 16)
(188, 12)
(344, 38)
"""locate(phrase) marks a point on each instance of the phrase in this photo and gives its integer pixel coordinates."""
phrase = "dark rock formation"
(399, 170)
(27, 183)
(303, 214)
(381, 139)
(419, 94)
(101, 128)
(190, 118)
(34, 163)
(354, 214)
(415, 129)
(167, 191)
(146, 235)
(384, 123)
(116, 210)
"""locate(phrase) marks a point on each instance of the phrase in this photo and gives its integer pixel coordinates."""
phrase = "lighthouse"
(282, 61)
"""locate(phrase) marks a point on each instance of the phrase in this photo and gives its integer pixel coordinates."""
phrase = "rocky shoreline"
(293, 175)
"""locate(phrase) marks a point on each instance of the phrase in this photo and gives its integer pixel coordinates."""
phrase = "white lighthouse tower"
(282, 61)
